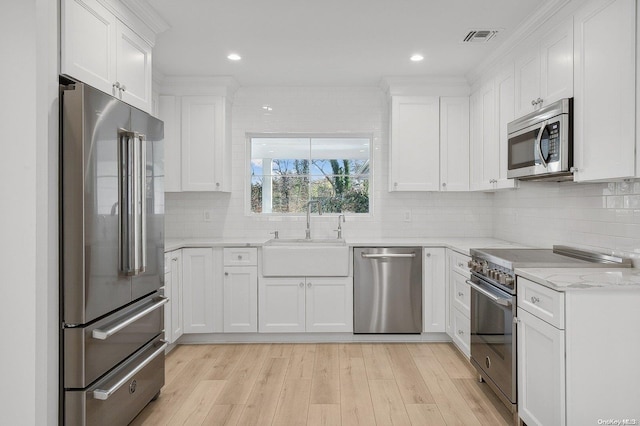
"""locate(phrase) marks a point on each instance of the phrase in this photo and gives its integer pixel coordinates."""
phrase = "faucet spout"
(308, 231)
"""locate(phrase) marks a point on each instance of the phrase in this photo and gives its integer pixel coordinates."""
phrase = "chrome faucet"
(341, 220)
(308, 232)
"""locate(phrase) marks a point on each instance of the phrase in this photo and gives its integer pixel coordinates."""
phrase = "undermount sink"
(305, 258)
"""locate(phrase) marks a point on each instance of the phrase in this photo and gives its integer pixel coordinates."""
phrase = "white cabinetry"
(454, 143)
(484, 161)
(458, 300)
(298, 304)
(434, 290)
(198, 290)
(544, 74)
(99, 50)
(563, 339)
(240, 290)
(605, 90)
(429, 148)
(415, 146)
(173, 290)
(197, 143)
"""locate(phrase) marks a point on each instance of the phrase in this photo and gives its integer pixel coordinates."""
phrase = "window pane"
(288, 167)
(339, 167)
(256, 193)
(341, 193)
(290, 194)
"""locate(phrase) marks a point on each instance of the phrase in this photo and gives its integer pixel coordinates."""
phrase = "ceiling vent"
(479, 36)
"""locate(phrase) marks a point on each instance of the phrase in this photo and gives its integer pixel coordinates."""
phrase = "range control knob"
(509, 280)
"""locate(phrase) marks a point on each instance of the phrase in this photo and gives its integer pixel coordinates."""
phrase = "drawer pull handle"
(102, 334)
(460, 294)
(239, 257)
(535, 299)
(460, 332)
(104, 394)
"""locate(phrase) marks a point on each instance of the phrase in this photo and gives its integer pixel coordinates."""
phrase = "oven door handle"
(539, 144)
(499, 300)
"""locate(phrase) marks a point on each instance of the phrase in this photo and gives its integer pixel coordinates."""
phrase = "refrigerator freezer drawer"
(93, 350)
(122, 394)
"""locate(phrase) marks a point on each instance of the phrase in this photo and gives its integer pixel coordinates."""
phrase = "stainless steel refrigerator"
(112, 258)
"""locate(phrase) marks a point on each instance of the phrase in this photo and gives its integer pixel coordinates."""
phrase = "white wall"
(323, 110)
(28, 219)
(599, 215)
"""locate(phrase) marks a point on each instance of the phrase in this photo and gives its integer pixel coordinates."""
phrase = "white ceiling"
(329, 42)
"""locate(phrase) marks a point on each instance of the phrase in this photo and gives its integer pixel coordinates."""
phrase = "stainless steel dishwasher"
(387, 290)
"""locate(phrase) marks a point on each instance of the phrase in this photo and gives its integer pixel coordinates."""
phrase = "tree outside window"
(287, 172)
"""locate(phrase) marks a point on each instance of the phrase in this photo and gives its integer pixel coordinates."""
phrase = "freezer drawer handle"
(384, 256)
(104, 394)
(101, 334)
(499, 300)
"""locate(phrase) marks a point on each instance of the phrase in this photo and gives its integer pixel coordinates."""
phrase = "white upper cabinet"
(505, 103)
(169, 113)
(605, 90)
(99, 50)
(415, 143)
(454, 143)
(484, 158)
(544, 73)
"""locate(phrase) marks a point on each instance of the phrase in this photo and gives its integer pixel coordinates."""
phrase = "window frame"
(247, 174)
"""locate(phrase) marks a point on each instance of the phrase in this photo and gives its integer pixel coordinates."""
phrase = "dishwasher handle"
(387, 255)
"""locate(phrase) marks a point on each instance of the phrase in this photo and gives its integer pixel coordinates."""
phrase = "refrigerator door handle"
(142, 197)
(126, 221)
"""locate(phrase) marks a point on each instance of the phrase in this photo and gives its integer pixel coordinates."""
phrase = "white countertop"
(572, 279)
(462, 245)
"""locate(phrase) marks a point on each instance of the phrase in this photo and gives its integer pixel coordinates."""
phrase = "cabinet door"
(166, 292)
(461, 328)
(527, 81)
(484, 161)
(329, 304)
(176, 301)
(505, 97)
(541, 371)
(133, 64)
(240, 299)
(197, 286)
(88, 43)
(556, 64)
(454, 143)
(460, 293)
(281, 304)
(202, 129)
(415, 144)
(169, 112)
(433, 288)
(605, 90)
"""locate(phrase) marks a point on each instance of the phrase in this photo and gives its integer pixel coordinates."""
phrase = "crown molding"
(147, 14)
(139, 16)
(525, 29)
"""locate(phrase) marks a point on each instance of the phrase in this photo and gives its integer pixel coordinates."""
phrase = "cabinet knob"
(460, 332)
(444, 184)
(226, 274)
(428, 254)
(123, 87)
(460, 294)
(395, 183)
(116, 85)
(174, 259)
(535, 299)
(308, 285)
(533, 102)
(239, 257)
(301, 284)
(218, 184)
(460, 265)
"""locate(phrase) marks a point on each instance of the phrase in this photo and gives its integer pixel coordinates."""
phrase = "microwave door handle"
(539, 144)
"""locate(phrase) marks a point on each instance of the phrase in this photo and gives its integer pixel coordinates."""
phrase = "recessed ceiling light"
(267, 107)
(416, 57)
(234, 57)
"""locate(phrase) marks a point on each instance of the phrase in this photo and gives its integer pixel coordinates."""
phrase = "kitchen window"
(288, 171)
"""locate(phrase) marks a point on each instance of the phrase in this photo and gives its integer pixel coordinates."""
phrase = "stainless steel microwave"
(540, 145)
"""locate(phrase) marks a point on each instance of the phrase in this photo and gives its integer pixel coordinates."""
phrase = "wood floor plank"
(425, 414)
(280, 350)
(412, 387)
(487, 413)
(197, 405)
(351, 350)
(452, 361)
(388, 407)
(356, 407)
(420, 349)
(263, 399)
(293, 405)
(302, 361)
(451, 404)
(377, 362)
(223, 415)
(227, 359)
(325, 386)
(242, 378)
(324, 415)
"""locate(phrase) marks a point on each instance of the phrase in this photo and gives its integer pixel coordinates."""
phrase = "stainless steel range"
(493, 306)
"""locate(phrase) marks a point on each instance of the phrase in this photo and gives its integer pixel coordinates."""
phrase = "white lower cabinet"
(298, 304)
(198, 290)
(240, 290)
(577, 354)
(434, 290)
(173, 327)
(458, 298)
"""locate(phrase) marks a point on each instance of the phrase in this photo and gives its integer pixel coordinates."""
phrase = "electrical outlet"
(407, 216)
(207, 215)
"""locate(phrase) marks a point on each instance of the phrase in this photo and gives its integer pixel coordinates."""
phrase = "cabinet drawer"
(458, 263)
(461, 332)
(544, 303)
(240, 256)
(461, 293)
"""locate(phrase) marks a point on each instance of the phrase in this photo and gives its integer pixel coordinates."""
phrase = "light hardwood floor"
(322, 384)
